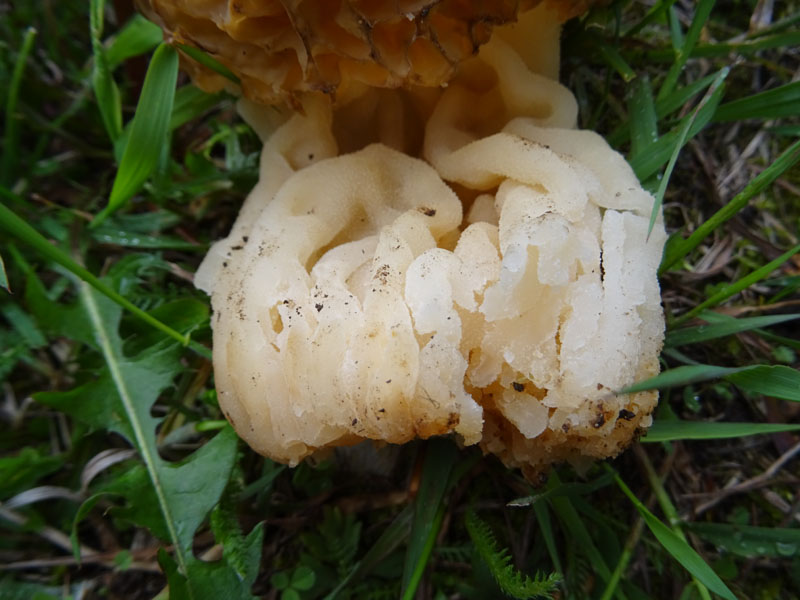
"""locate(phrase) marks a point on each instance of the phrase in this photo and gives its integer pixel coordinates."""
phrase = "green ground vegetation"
(119, 478)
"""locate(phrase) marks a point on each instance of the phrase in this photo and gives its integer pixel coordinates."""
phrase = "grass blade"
(423, 553)
(27, 234)
(684, 50)
(440, 457)
(643, 120)
(783, 101)
(654, 14)
(711, 50)
(190, 103)
(665, 106)
(778, 381)
(10, 142)
(105, 88)
(614, 59)
(572, 521)
(678, 548)
(391, 537)
(704, 333)
(137, 37)
(674, 430)
(148, 131)
(748, 541)
(679, 143)
(3, 276)
(682, 95)
(736, 287)
(546, 526)
(680, 376)
(675, 31)
(209, 61)
(646, 165)
(680, 249)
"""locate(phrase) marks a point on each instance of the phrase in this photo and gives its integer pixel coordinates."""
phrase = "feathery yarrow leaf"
(511, 581)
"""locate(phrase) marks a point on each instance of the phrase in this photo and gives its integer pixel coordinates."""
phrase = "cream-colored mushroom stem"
(485, 271)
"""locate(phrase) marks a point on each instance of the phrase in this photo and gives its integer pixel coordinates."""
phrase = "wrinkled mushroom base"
(501, 286)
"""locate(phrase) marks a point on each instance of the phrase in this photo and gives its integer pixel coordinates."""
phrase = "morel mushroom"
(418, 262)
(281, 48)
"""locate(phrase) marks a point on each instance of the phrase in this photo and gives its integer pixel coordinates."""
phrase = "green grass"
(119, 477)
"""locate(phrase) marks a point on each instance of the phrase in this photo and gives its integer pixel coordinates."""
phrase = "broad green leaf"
(215, 580)
(669, 431)
(138, 36)
(783, 101)
(184, 315)
(105, 89)
(748, 541)
(440, 457)
(56, 318)
(149, 130)
(704, 333)
(678, 548)
(23, 324)
(142, 509)
(193, 486)
(787, 159)
(100, 404)
(120, 400)
(302, 578)
(83, 511)
(21, 471)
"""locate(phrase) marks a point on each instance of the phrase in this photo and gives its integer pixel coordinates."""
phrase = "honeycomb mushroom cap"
(281, 48)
